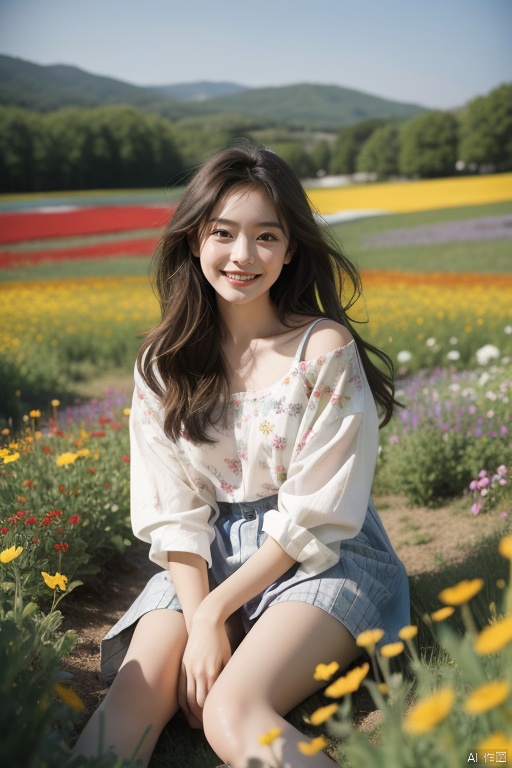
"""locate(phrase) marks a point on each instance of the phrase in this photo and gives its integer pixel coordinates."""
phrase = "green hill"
(305, 106)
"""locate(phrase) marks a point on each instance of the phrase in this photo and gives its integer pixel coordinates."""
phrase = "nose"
(243, 251)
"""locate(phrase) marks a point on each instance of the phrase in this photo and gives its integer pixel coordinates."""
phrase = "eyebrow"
(273, 224)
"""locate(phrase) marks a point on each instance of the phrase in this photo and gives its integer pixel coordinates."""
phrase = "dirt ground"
(426, 540)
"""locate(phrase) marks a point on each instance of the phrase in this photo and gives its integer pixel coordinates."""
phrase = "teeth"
(239, 277)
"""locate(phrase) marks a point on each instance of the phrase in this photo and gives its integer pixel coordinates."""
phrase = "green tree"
(486, 130)
(380, 153)
(349, 143)
(294, 153)
(321, 156)
(430, 145)
(18, 131)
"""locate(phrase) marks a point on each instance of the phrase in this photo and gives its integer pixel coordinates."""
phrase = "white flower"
(404, 356)
(508, 329)
(455, 387)
(490, 395)
(453, 340)
(487, 353)
(453, 354)
(430, 342)
(484, 378)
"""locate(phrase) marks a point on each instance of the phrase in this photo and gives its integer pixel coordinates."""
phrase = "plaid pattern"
(366, 589)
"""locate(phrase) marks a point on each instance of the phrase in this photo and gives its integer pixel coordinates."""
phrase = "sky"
(439, 54)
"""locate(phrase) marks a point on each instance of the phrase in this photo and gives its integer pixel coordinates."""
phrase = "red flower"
(106, 485)
(47, 450)
(99, 433)
(35, 540)
(29, 483)
(62, 489)
(31, 520)
(63, 547)
(21, 499)
(56, 512)
(126, 458)
(74, 520)
(4, 530)
(58, 432)
(116, 425)
(92, 470)
(104, 420)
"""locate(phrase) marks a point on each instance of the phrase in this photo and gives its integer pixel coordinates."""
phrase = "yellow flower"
(349, 683)
(127, 411)
(268, 738)
(494, 637)
(83, 452)
(370, 638)
(505, 547)
(66, 458)
(35, 414)
(429, 712)
(496, 741)
(326, 671)
(69, 697)
(407, 633)
(442, 613)
(391, 649)
(319, 716)
(12, 457)
(55, 403)
(461, 592)
(312, 747)
(487, 697)
(383, 688)
(84, 434)
(53, 582)
(10, 554)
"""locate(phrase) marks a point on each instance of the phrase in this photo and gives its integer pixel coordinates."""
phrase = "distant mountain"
(200, 91)
(324, 107)
(313, 106)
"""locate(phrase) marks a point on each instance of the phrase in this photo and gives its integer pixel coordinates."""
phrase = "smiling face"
(243, 247)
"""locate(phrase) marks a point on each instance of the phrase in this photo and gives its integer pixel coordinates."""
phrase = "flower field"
(398, 197)
(64, 470)
(51, 223)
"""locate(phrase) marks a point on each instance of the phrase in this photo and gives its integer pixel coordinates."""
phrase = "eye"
(221, 233)
(268, 237)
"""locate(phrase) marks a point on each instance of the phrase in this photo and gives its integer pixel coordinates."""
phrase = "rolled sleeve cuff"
(168, 539)
(299, 543)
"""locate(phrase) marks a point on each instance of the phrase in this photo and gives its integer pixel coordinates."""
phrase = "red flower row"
(119, 248)
(37, 225)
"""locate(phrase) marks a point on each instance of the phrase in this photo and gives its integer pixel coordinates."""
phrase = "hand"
(206, 654)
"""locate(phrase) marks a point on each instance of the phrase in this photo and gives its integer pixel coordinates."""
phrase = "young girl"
(254, 435)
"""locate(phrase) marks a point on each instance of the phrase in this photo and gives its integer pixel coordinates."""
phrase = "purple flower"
(473, 486)
(475, 508)
(502, 470)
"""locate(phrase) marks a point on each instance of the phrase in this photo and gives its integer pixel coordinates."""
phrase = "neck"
(242, 324)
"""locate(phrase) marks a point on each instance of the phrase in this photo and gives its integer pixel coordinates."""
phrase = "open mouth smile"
(236, 277)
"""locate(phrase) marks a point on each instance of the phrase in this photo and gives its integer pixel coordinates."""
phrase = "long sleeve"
(168, 509)
(325, 495)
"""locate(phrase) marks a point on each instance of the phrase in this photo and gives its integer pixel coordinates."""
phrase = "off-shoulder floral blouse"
(311, 438)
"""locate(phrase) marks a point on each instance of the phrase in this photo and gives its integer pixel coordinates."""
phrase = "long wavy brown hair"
(181, 359)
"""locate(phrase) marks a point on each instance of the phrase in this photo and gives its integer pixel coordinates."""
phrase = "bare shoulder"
(325, 337)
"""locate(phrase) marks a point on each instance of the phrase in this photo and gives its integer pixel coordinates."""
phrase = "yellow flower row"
(399, 197)
(38, 316)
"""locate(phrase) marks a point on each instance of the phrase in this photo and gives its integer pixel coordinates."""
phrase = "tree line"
(121, 146)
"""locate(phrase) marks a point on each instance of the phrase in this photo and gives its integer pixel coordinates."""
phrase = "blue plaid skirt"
(366, 589)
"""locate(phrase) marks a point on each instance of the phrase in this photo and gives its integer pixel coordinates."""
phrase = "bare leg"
(269, 674)
(144, 693)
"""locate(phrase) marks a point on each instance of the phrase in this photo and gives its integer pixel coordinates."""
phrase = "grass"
(491, 256)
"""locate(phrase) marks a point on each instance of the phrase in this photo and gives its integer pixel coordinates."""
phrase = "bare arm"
(189, 575)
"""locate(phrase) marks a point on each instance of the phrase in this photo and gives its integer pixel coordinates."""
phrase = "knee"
(223, 717)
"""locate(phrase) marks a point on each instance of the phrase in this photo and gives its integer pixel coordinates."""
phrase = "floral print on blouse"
(311, 438)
